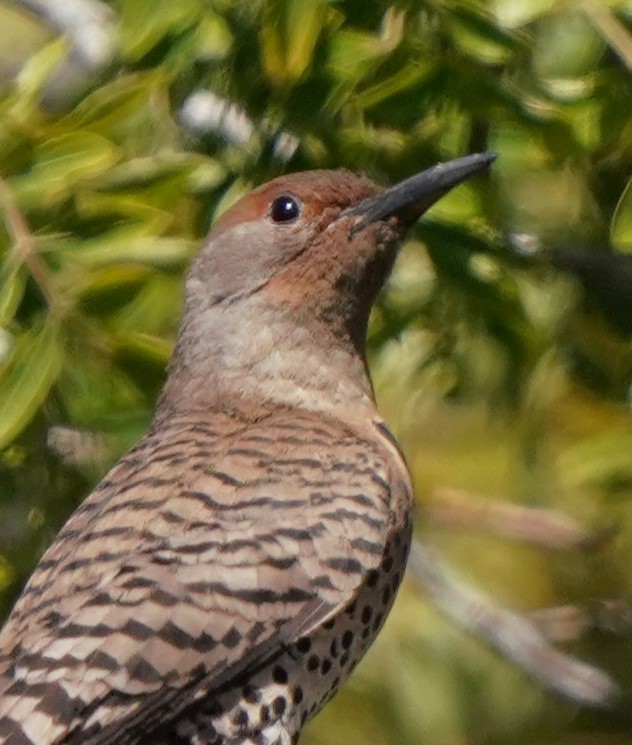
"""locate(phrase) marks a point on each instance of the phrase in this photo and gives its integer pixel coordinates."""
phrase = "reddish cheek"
(295, 292)
(314, 275)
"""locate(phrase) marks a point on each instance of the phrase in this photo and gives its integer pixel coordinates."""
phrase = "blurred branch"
(78, 448)
(90, 26)
(512, 634)
(87, 23)
(568, 623)
(24, 248)
(549, 528)
(612, 30)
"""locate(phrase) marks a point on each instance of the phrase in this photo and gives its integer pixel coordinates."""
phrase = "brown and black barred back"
(199, 603)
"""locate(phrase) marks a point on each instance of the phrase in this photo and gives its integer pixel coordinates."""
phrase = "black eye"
(285, 209)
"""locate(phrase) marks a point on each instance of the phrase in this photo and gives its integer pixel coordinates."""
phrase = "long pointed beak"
(409, 199)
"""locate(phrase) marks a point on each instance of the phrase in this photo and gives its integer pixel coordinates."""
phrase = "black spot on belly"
(279, 674)
(240, 718)
(313, 663)
(325, 666)
(278, 705)
(304, 644)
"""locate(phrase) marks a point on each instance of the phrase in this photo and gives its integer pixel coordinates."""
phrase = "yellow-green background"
(499, 374)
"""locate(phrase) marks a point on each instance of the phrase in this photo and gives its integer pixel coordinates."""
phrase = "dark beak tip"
(468, 165)
(409, 199)
(487, 158)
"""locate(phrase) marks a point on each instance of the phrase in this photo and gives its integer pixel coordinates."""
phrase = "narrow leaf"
(26, 379)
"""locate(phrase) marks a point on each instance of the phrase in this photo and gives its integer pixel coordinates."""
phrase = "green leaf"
(129, 244)
(477, 35)
(58, 166)
(516, 13)
(12, 284)
(144, 171)
(289, 36)
(599, 460)
(27, 377)
(154, 309)
(305, 22)
(100, 288)
(567, 46)
(7, 573)
(213, 37)
(124, 204)
(352, 54)
(272, 52)
(145, 23)
(621, 230)
(38, 69)
(93, 388)
(22, 35)
(120, 104)
(406, 78)
(147, 347)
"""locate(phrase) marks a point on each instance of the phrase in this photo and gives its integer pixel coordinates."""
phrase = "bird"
(223, 579)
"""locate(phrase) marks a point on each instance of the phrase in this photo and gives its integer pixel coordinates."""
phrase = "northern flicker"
(227, 574)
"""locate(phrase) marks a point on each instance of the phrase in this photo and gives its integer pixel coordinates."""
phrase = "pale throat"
(263, 356)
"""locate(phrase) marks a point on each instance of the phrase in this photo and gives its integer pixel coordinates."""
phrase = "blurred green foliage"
(493, 372)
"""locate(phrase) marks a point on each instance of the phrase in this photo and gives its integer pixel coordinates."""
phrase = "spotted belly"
(271, 706)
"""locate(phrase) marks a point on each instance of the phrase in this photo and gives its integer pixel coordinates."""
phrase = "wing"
(204, 552)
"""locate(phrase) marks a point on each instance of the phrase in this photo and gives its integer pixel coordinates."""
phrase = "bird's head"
(317, 245)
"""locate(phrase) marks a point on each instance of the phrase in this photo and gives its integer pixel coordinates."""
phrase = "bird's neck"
(261, 359)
